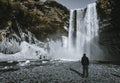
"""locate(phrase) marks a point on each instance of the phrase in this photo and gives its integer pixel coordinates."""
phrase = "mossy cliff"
(40, 18)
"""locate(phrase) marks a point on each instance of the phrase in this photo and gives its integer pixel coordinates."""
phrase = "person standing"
(85, 64)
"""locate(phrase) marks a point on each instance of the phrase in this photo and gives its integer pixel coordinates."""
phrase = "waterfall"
(82, 38)
(83, 32)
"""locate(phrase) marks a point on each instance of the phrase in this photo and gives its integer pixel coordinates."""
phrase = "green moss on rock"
(38, 17)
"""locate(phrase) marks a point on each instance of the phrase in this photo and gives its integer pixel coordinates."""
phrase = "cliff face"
(109, 15)
(40, 18)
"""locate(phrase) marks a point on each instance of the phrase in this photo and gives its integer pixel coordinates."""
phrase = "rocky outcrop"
(109, 15)
(40, 18)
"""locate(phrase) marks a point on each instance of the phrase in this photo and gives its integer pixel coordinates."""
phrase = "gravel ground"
(62, 72)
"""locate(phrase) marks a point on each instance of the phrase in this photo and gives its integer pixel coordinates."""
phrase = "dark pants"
(85, 71)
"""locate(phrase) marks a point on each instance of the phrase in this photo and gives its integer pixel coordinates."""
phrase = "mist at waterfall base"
(82, 38)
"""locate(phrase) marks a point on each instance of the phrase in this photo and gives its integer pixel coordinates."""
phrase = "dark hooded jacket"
(85, 60)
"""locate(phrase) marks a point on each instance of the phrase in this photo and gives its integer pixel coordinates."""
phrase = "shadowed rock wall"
(109, 21)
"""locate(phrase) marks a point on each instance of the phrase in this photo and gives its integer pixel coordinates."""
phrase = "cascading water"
(83, 38)
(83, 35)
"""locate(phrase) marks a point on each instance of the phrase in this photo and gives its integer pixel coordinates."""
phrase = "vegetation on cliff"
(40, 18)
(109, 9)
